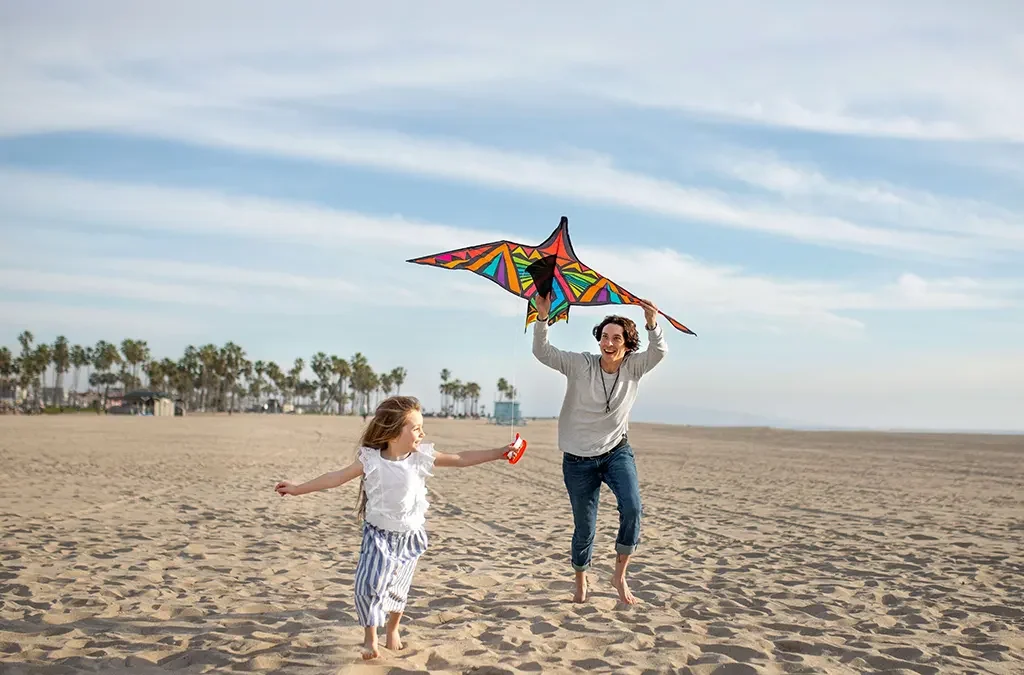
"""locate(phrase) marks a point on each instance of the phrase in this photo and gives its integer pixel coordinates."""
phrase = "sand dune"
(156, 545)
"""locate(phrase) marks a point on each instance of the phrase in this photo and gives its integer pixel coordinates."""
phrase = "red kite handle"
(518, 448)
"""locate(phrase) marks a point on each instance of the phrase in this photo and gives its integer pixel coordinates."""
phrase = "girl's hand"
(285, 488)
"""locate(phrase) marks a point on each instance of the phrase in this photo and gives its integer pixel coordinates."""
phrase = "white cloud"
(859, 68)
(85, 321)
(129, 287)
(272, 83)
(806, 187)
(679, 283)
(227, 275)
(591, 182)
(27, 195)
(674, 279)
(586, 181)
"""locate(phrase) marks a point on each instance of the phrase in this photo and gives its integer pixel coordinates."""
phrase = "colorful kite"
(550, 267)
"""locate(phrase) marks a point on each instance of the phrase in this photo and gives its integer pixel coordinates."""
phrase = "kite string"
(515, 394)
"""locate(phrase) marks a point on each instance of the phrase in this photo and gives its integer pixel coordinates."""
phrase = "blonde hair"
(386, 425)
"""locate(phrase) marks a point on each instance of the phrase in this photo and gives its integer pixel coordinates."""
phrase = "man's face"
(613, 342)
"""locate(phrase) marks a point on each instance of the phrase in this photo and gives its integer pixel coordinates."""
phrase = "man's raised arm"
(551, 356)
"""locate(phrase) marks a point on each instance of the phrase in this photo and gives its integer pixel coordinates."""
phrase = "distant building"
(507, 412)
(145, 402)
(53, 396)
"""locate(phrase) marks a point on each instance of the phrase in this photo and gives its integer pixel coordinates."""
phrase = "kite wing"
(552, 267)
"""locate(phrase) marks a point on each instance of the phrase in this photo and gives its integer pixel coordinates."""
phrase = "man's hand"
(543, 303)
(650, 312)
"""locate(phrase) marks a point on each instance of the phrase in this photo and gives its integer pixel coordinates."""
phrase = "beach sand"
(149, 545)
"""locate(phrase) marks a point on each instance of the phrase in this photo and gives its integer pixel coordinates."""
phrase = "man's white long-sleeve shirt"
(584, 428)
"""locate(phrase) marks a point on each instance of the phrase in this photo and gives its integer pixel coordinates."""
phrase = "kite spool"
(518, 448)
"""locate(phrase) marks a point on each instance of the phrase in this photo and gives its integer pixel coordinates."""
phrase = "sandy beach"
(149, 545)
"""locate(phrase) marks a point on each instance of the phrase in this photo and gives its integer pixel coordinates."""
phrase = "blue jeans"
(583, 477)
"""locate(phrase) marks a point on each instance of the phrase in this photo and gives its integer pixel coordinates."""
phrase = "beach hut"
(145, 402)
(507, 412)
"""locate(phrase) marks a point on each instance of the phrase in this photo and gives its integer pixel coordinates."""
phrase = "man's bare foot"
(625, 595)
(370, 650)
(581, 587)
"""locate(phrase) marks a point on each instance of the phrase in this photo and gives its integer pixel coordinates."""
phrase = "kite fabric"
(551, 267)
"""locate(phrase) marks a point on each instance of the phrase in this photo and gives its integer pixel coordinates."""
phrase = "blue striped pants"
(387, 561)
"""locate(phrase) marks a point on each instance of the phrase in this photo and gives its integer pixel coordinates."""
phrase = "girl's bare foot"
(370, 650)
(581, 587)
(394, 641)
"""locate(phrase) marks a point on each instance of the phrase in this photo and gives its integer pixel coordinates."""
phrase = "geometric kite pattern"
(550, 267)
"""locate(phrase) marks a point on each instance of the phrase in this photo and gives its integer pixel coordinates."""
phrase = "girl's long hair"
(386, 425)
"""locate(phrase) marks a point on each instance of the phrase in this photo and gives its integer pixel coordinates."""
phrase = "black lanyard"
(607, 396)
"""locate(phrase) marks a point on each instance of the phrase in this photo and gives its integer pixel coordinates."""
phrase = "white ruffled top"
(396, 490)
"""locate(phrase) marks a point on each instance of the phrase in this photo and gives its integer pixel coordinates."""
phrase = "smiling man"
(592, 426)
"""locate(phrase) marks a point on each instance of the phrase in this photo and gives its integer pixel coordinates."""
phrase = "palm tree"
(324, 371)
(105, 355)
(61, 358)
(42, 358)
(456, 395)
(277, 378)
(473, 392)
(445, 374)
(79, 359)
(208, 356)
(398, 377)
(208, 377)
(256, 385)
(136, 353)
(155, 372)
(343, 371)
(8, 369)
(362, 381)
(294, 380)
(234, 366)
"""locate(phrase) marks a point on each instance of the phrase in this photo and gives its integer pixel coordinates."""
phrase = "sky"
(831, 195)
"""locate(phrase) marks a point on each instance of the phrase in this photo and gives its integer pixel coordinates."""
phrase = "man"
(592, 425)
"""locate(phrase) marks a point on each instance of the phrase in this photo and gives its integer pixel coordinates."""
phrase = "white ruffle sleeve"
(370, 459)
(425, 458)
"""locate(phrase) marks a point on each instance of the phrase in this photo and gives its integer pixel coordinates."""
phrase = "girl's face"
(412, 434)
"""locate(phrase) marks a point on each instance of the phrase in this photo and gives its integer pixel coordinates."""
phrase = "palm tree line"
(205, 378)
(212, 378)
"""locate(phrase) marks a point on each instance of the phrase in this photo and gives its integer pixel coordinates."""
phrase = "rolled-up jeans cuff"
(581, 568)
(623, 549)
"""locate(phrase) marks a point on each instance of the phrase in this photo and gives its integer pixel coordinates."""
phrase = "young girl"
(394, 463)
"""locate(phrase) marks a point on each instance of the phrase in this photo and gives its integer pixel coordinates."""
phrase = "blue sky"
(833, 199)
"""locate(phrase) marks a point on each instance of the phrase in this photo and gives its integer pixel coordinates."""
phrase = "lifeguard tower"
(507, 412)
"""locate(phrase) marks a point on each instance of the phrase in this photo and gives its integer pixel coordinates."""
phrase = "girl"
(393, 463)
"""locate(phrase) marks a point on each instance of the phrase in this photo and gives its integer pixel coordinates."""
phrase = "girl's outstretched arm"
(471, 457)
(331, 479)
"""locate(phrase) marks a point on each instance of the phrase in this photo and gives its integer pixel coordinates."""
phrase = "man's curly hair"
(630, 334)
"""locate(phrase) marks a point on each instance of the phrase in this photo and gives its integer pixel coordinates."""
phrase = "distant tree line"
(212, 378)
